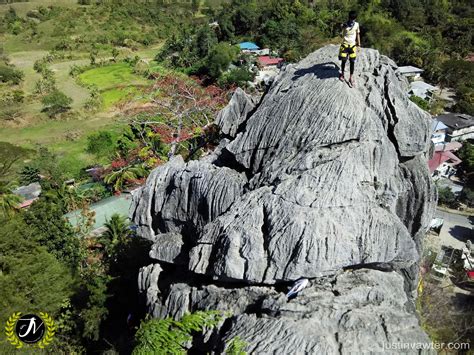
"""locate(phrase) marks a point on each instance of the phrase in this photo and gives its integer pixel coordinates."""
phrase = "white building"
(410, 72)
(460, 126)
(422, 89)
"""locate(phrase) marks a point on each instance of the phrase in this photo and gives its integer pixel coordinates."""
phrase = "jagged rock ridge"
(317, 180)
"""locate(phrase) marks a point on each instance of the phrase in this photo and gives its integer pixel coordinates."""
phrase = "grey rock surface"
(235, 113)
(315, 179)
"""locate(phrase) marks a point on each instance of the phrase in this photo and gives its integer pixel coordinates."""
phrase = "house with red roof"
(265, 61)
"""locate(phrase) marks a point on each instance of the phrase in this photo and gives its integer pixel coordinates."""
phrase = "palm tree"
(115, 237)
(8, 201)
(119, 177)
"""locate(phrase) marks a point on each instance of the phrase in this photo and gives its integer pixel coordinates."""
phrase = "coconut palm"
(8, 201)
(115, 237)
(119, 177)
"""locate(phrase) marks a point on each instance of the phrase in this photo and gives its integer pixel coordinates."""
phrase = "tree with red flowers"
(181, 108)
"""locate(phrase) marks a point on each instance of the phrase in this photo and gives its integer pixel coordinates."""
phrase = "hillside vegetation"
(96, 94)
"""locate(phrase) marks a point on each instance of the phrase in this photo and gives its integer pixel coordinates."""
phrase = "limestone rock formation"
(317, 180)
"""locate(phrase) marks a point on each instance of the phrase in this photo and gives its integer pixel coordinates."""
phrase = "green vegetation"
(55, 103)
(236, 347)
(421, 103)
(100, 143)
(114, 82)
(32, 280)
(114, 76)
(10, 75)
(159, 336)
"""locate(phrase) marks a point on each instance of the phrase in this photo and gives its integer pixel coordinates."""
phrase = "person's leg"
(352, 58)
(343, 67)
(343, 59)
(351, 68)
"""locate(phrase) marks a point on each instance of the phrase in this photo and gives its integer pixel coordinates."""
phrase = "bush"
(29, 175)
(55, 103)
(421, 103)
(446, 196)
(467, 196)
(239, 77)
(100, 143)
(10, 75)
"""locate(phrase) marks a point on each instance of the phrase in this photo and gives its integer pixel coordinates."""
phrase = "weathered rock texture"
(318, 180)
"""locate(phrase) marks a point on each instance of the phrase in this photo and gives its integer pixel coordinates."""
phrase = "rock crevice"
(317, 180)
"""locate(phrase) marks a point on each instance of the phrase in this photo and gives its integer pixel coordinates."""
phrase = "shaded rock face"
(317, 180)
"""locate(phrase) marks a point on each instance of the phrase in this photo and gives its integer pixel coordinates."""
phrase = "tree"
(446, 196)
(94, 311)
(47, 163)
(50, 229)
(8, 201)
(466, 154)
(29, 175)
(100, 143)
(167, 336)
(467, 196)
(10, 155)
(219, 59)
(31, 279)
(55, 103)
(116, 236)
(126, 174)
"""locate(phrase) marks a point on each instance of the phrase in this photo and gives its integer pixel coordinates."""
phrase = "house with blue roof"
(248, 47)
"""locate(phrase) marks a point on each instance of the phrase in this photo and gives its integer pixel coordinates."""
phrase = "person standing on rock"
(351, 35)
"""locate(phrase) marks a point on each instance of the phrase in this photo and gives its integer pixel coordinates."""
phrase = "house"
(422, 89)
(460, 126)
(442, 163)
(410, 72)
(264, 51)
(29, 193)
(450, 146)
(438, 130)
(268, 62)
(248, 47)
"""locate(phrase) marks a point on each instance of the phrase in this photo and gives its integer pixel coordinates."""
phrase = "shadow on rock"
(322, 71)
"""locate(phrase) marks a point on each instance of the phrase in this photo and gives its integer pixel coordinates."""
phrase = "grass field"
(66, 138)
(115, 82)
(22, 8)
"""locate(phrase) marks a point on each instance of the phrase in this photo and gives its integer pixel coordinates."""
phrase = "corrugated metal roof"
(437, 125)
(267, 60)
(422, 85)
(248, 46)
(409, 69)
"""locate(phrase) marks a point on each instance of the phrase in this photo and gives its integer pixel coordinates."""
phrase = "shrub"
(29, 175)
(446, 196)
(168, 336)
(10, 75)
(239, 77)
(421, 103)
(100, 143)
(467, 196)
(55, 103)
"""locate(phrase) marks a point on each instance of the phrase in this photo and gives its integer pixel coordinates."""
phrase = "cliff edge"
(317, 180)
